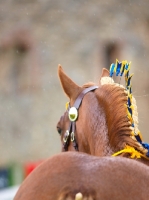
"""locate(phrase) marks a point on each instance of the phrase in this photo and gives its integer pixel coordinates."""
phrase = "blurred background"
(83, 36)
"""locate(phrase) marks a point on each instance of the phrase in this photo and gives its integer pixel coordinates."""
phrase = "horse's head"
(100, 124)
(85, 109)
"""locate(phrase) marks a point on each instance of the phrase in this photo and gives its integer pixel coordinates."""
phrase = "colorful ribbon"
(121, 68)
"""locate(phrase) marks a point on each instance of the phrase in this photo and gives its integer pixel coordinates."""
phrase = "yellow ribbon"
(134, 153)
(67, 105)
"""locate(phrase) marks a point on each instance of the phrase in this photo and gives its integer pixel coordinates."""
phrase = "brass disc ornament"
(73, 114)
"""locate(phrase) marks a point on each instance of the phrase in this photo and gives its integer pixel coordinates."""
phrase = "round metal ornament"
(73, 114)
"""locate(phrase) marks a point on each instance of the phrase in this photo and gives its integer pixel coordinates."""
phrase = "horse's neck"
(94, 121)
(96, 137)
(101, 145)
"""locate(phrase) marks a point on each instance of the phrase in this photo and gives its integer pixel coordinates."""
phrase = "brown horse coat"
(65, 174)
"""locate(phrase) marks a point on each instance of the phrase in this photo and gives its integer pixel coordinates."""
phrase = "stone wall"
(83, 36)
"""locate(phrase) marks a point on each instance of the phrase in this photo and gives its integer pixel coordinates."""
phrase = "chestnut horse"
(102, 127)
(79, 176)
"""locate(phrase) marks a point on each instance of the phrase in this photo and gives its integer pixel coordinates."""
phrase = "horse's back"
(66, 174)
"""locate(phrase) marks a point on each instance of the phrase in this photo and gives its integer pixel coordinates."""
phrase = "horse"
(90, 173)
(101, 126)
(80, 176)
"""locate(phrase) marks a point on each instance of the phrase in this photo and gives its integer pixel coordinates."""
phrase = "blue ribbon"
(118, 69)
(112, 68)
(146, 146)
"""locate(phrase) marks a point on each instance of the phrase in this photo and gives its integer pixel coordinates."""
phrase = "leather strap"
(81, 95)
(72, 125)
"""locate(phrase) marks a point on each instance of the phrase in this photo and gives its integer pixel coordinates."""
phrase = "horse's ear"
(70, 88)
(105, 73)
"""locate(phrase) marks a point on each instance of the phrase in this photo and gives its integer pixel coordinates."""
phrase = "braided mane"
(114, 100)
(113, 97)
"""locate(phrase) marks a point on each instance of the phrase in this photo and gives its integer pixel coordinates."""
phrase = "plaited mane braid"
(114, 99)
(121, 109)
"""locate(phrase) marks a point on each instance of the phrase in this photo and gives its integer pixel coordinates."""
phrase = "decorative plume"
(120, 69)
